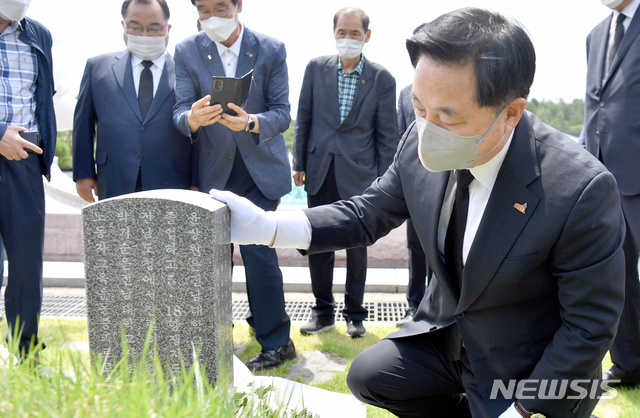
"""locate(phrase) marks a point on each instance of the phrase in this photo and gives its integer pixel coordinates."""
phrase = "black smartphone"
(231, 89)
(33, 137)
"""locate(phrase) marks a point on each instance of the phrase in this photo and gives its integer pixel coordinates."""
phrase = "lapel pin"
(209, 56)
(521, 208)
(250, 54)
(362, 81)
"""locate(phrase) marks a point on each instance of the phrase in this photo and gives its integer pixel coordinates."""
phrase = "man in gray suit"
(126, 99)
(612, 133)
(521, 226)
(245, 153)
(345, 137)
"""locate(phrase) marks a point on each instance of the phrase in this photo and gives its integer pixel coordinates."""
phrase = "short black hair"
(500, 51)
(163, 4)
(363, 15)
(232, 1)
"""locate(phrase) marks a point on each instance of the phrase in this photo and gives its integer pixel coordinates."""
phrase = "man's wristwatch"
(525, 413)
(251, 124)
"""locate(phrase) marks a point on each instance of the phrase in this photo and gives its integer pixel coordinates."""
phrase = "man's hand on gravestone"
(249, 223)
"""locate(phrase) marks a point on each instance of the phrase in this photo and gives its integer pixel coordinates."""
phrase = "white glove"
(249, 223)
(511, 412)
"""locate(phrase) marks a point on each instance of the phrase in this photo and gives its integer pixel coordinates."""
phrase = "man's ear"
(514, 111)
(367, 36)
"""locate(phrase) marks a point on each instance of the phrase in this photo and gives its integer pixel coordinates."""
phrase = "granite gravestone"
(160, 257)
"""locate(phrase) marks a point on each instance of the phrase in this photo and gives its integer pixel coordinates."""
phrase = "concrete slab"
(67, 274)
(316, 367)
(297, 396)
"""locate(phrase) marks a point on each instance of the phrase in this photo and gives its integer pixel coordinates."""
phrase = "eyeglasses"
(218, 11)
(137, 30)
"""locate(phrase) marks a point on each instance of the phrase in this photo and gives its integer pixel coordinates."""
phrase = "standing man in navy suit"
(245, 153)
(346, 135)
(26, 97)
(128, 98)
(612, 133)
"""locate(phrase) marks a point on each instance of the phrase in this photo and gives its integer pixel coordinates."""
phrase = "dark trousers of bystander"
(321, 265)
(22, 216)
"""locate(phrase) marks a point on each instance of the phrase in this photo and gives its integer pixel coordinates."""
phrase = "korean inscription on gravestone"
(160, 257)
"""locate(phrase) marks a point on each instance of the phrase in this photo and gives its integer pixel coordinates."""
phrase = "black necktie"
(145, 90)
(457, 225)
(617, 37)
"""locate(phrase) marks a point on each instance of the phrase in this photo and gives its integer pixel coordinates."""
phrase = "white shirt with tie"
(629, 12)
(156, 71)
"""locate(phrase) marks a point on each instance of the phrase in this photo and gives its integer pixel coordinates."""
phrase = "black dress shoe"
(272, 358)
(408, 317)
(616, 380)
(355, 329)
(318, 324)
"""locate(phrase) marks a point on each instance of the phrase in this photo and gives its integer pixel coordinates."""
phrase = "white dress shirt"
(229, 56)
(629, 12)
(484, 177)
(156, 71)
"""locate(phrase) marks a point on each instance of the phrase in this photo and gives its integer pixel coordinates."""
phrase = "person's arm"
(588, 263)
(402, 126)
(359, 221)
(303, 126)
(83, 137)
(191, 111)
(277, 118)
(386, 129)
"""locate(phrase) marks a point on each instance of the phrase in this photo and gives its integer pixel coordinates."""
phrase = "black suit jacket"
(406, 114)
(542, 290)
(612, 112)
(108, 112)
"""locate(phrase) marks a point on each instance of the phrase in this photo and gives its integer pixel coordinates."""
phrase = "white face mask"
(349, 48)
(441, 150)
(147, 48)
(14, 10)
(219, 29)
(612, 4)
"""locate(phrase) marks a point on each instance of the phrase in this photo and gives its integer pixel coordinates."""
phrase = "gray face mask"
(612, 3)
(441, 150)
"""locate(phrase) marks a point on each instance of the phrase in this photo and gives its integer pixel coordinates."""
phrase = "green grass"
(141, 394)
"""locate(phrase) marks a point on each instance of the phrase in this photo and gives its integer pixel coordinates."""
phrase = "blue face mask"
(441, 150)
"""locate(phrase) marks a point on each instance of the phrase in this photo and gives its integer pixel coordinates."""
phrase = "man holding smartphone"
(245, 153)
(25, 46)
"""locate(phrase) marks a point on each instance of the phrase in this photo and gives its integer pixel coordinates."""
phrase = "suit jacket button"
(330, 153)
(230, 158)
(602, 104)
(460, 315)
(598, 134)
(338, 131)
(138, 154)
(143, 129)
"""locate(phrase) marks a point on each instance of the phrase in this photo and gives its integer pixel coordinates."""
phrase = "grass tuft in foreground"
(66, 385)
